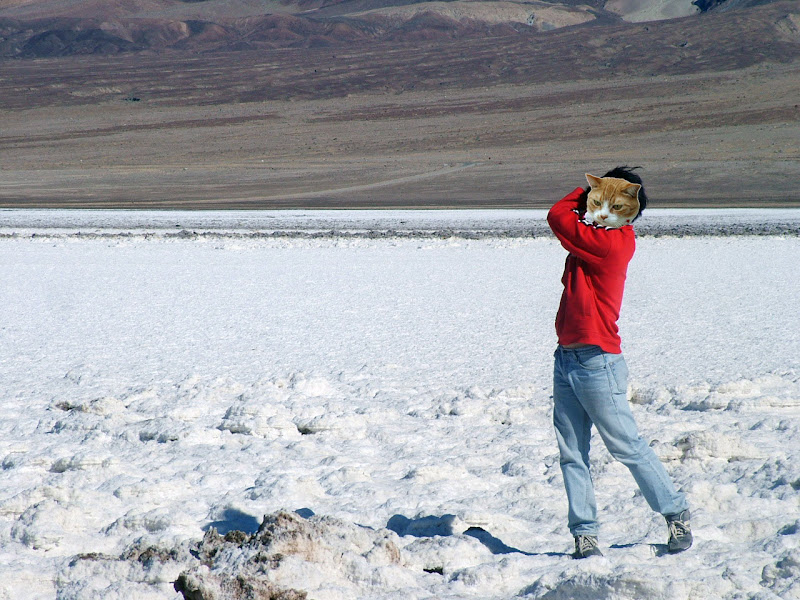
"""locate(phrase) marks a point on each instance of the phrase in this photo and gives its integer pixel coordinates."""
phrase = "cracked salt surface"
(395, 393)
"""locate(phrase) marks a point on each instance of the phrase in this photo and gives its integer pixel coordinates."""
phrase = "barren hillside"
(42, 28)
(423, 115)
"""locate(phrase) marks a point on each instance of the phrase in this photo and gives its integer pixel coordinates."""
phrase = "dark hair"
(627, 173)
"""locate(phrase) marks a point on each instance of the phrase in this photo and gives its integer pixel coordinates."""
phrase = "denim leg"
(573, 432)
(600, 380)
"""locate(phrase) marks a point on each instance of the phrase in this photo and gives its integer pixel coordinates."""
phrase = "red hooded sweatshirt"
(594, 275)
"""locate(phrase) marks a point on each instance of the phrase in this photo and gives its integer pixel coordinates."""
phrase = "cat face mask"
(612, 202)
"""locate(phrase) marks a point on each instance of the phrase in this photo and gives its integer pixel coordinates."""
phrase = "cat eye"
(596, 203)
(617, 206)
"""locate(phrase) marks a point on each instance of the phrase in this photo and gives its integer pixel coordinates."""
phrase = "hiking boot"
(586, 546)
(680, 533)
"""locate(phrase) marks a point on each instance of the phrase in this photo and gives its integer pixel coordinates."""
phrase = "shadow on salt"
(232, 519)
(447, 525)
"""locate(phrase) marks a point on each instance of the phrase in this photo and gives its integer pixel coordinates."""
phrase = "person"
(590, 374)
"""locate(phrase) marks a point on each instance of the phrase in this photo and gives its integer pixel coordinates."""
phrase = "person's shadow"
(431, 526)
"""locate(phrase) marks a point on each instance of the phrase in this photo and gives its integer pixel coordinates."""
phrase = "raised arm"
(588, 242)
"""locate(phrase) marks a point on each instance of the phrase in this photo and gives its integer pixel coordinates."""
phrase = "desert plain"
(708, 105)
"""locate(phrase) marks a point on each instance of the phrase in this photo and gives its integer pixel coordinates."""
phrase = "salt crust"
(154, 391)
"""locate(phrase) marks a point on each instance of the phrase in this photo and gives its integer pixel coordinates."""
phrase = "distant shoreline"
(372, 224)
(239, 205)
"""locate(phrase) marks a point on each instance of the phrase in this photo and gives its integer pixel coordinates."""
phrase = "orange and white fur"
(611, 202)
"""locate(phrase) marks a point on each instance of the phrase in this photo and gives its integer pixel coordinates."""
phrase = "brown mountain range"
(163, 103)
(30, 28)
(59, 29)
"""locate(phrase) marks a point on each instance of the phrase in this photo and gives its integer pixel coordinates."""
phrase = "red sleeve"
(585, 241)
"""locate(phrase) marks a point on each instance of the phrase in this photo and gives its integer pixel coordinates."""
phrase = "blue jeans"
(590, 388)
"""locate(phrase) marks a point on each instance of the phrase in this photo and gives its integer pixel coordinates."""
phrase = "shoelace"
(678, 529)
(586, 543)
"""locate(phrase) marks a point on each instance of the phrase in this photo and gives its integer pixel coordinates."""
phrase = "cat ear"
(632, 190)
(593, 181)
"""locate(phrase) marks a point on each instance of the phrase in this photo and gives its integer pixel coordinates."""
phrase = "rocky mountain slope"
(46, 28)
(362, 103)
